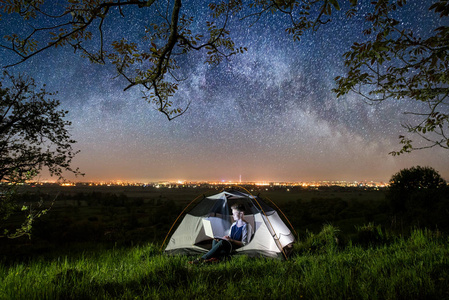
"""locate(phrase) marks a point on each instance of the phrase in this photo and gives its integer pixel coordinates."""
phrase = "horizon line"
(186, 181)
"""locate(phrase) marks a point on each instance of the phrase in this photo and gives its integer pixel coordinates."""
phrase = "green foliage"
(371, 235)
(33, 132)
(414, 267)
(420, 196)
(328, 240)
(374, 264)
(415, 188)
(7, 204)
(33, 137)
(32, 207)
(416, 178)
(397, 63)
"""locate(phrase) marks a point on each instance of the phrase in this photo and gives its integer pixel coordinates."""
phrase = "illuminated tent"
(270, 236)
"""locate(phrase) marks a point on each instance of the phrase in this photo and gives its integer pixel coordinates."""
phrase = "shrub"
(370, 235)
(328, 240)
(415, 188)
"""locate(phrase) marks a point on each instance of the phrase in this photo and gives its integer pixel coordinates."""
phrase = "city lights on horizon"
(216, 181)
(195, 183)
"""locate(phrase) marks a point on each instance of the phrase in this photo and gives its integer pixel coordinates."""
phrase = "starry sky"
(268, 114)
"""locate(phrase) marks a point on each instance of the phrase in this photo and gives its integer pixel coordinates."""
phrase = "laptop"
(207, 225)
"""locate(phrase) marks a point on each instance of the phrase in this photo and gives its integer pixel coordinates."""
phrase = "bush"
(328, 240)
(419, 197)
(415, 189)
(370, 235)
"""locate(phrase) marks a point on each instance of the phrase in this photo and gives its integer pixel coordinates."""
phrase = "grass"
(414, 267)
(91, 246)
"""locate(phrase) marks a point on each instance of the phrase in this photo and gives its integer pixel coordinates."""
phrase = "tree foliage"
(397, 63)
(33, 132)
(150, 62)
(416, 178)
(418, 192)
(33, 137)
(32, 210)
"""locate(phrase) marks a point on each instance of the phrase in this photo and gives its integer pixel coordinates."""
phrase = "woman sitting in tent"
(239, 235)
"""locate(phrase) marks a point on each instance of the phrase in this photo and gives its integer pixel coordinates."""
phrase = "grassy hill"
(105, 244)
(416, 267)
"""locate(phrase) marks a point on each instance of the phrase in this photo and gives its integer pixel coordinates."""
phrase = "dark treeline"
(124, 218)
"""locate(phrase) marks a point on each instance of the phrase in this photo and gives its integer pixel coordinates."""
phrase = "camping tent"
(270, 236)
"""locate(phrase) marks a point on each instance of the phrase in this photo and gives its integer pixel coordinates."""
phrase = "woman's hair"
(239, 207)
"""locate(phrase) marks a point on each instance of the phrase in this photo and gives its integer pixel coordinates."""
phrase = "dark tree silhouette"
(399, 64)
(33, 137)
(418, 194)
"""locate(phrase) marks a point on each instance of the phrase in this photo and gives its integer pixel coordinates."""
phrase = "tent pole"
(171, 228)
(291, 226)
(276, 237)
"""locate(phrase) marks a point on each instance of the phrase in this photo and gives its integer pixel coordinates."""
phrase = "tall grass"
(416, 267)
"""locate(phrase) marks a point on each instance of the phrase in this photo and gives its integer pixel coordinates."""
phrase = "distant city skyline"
(187, 183)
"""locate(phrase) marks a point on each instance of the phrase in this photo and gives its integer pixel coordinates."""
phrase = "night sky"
(268, 114)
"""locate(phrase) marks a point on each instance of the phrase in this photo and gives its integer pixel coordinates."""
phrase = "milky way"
(267, 114)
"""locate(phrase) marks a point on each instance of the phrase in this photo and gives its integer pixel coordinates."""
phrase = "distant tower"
(240, 179)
